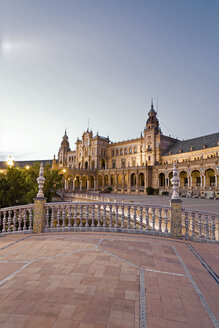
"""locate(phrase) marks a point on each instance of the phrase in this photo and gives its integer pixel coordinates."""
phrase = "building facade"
(133, 165)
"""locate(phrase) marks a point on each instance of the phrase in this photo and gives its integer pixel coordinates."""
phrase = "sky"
(65, 62)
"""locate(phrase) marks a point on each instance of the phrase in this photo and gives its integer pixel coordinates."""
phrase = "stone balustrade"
(16, 219)
(111, 217)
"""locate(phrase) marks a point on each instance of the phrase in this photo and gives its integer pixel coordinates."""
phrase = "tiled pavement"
(96, 280)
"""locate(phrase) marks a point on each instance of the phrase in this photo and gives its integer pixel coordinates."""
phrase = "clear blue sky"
(63, 62)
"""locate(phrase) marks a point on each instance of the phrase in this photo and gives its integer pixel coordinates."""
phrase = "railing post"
(39, 205)
(176, 206)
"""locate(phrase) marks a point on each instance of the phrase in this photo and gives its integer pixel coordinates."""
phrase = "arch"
(106, 180)
(92, 165)
(77, 182)
(133, 180)
(119, 180)
(86, 165)
(170, 175)
(92, 182)
(100, 181)
(84, 182)
(102, 164)
(210, 177)
(183, 179)
(141, 179)
(161, 178)
(196, 178)
(112, 180)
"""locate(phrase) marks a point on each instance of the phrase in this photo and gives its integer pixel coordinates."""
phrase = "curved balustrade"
(108, 216)
(111, 217)
(16, 219)
(200, 225)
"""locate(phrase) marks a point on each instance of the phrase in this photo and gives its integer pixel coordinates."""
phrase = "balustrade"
(111, 216)
(16, 219)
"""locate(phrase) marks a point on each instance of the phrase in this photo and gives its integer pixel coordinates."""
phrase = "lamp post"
(39, 204)
(176, 206)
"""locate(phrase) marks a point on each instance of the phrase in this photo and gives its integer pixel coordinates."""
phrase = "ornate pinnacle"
(175, 182)
(40, 181)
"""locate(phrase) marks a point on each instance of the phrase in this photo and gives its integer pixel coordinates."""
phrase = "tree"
(19, 185)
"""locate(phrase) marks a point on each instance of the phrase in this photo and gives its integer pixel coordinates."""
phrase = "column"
(95, 183)
(204, 181)
(39, 204)
(176, 206)
(88, 184)
(215, 180)
(73, 184)
(80, 184)
(66, 184)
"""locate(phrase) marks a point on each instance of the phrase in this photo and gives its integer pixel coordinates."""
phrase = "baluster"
(15, 220)
(117, 215)
(69, 216)
(87, 217)
(193, 224)
(186, 225)
(19, 220)
(25, 219)
(129, 216)
(9, 221)
(166, 220)
(63, 217)
(160, 219)
(52, 217)
(93, 216)
(4, 221)
(206, 227)
(81, 215)
(98, 216)
(122, 215)
(47, 217)
(135, 216)
(30, 218)
(110, 216)
(104, 215)
(147, 218)
(153, 218)
(141, 217)
(213, 228)
(200, 224)
(75, 216)
(58, 217)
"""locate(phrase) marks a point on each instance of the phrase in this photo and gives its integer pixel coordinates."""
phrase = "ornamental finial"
(175, 182)
(40, 181)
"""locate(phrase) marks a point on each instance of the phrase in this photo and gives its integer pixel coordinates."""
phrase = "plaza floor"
(97, 280)
(211, 205)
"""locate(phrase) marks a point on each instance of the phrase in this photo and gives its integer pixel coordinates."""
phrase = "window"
(112, 152)
(133, 161)
(185, 181)
(125, 151)
(135, 150)
(130, 150)
(117, 152)
(121, 151)
(123, 162)
(113, 164)
(149, 158)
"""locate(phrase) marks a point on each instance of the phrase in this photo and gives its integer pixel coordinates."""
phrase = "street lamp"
(27, 167)
(10, 161)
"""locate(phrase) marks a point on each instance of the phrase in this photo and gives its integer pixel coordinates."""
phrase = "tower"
(152, 137)
(63, 150)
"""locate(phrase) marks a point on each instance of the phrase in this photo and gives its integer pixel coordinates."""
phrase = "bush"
(150, 190)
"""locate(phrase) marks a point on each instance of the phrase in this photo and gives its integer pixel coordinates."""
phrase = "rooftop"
(199, 143)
